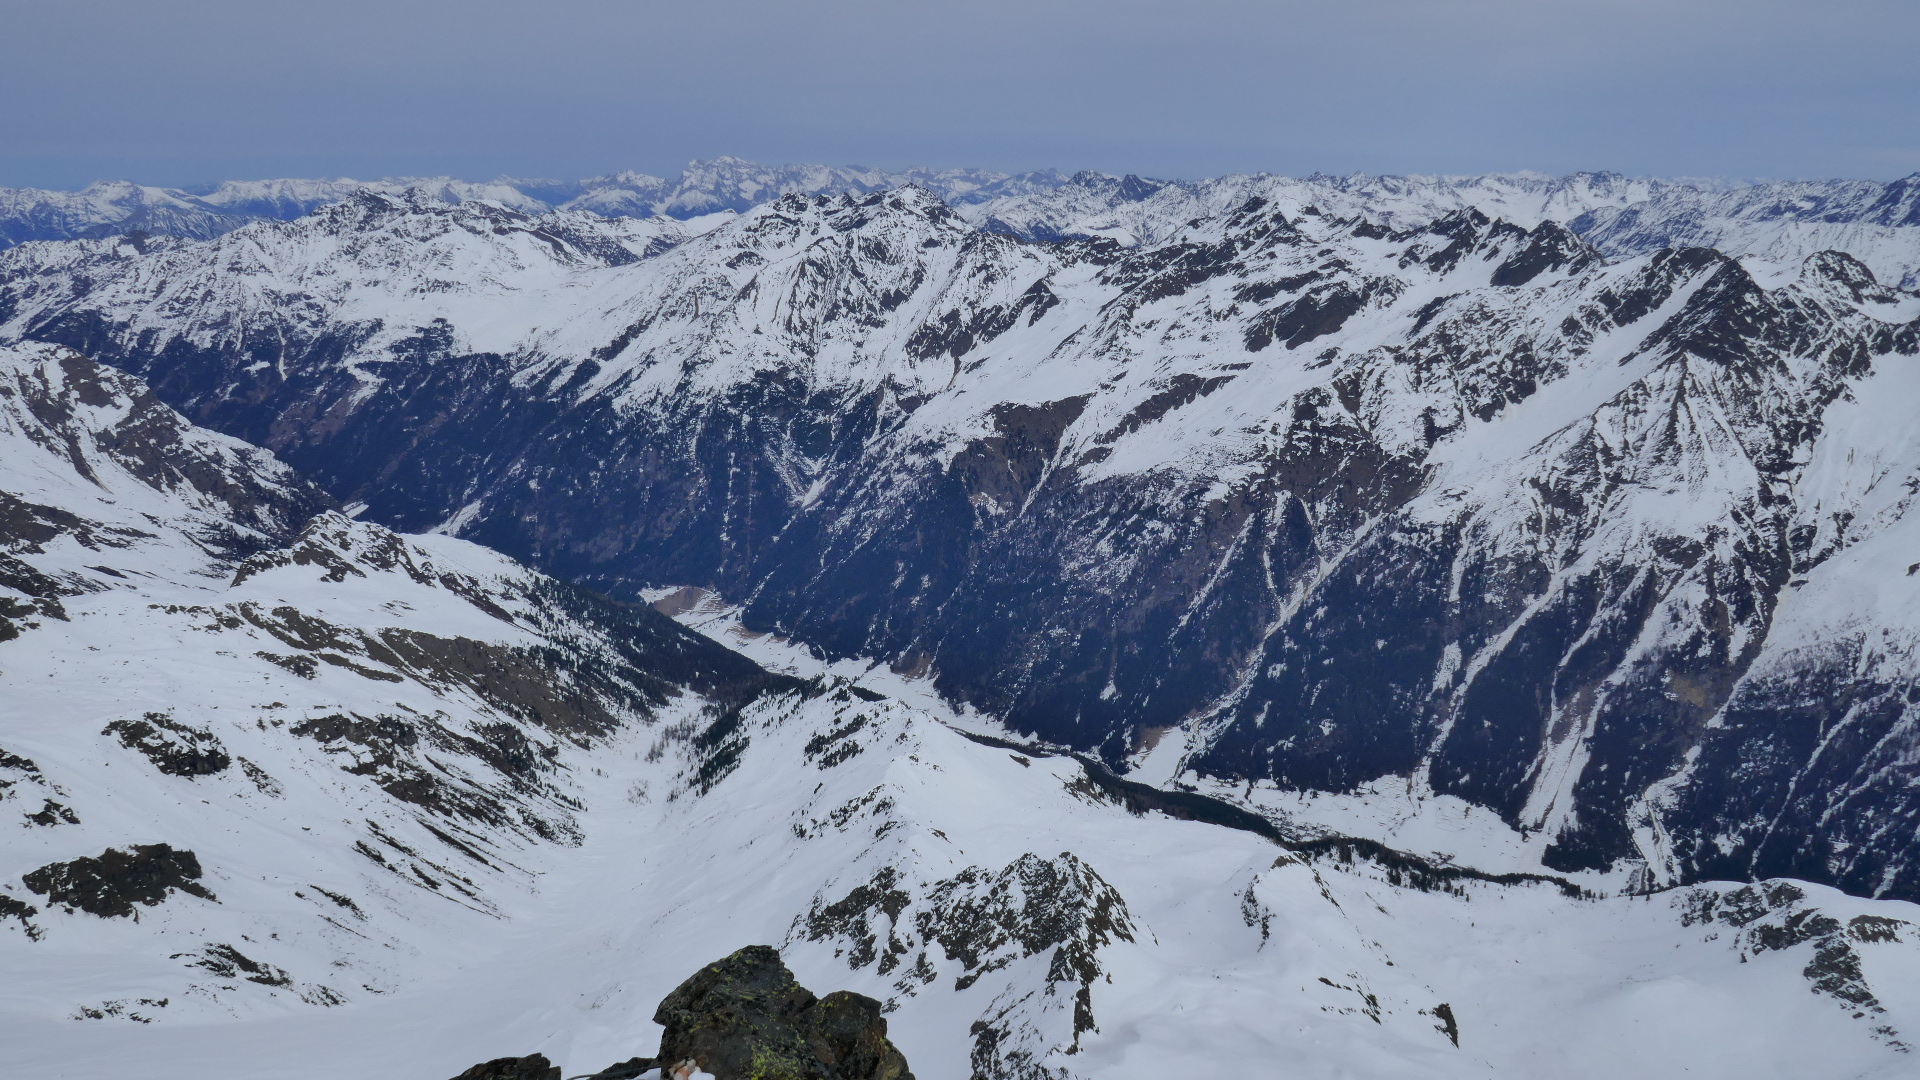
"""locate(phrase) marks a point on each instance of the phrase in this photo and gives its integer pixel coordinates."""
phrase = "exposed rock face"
(745, 1018)
(173, 747)
(110, 883)
(629, 1069)
(983, 921)
(531, 1067)
(1772, 916)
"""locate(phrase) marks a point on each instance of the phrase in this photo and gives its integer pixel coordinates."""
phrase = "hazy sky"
(183, 91)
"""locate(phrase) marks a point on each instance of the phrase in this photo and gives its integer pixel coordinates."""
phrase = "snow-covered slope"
(1017, 916)
(97, 470)
(103, 209)
(248, 743)
(298, 796)
(1310, 501)
(353, 260)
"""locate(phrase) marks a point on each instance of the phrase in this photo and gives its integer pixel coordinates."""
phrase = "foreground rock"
(531, 1067)
(746, 1018)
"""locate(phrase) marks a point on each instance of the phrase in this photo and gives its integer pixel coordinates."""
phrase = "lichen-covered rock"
(746, 1018)
(531, 1067)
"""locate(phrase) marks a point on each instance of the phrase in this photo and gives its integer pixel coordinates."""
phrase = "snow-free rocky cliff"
(293, 795)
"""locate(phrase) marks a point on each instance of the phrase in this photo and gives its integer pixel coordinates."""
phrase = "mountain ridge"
(1270, 446)
(333, 797)
(1621, 215)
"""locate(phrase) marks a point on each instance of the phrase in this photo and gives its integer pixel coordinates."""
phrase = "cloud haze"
(199, 90)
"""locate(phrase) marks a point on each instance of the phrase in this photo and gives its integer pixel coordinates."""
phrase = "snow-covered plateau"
(1361, 627)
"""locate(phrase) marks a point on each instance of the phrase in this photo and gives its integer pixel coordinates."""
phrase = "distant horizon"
(205, 186)
(186, 93)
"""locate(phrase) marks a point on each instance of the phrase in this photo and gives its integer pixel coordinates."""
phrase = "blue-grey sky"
(186, 91)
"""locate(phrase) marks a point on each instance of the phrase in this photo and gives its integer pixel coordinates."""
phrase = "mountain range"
(1618, 214)
(1079, 612)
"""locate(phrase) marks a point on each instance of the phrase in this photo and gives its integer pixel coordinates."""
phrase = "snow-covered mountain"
(703, 188)
(1135, 210)
(1288, 500)
(120, 208)
(1782, 221)
(298, 796)
(727, 183)
(1778, 220)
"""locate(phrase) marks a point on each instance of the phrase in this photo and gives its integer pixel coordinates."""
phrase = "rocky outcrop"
(531, 1067)
(111, 883)
(1776, 915)
(630, 1069)
(745, 1018)
(981, 921)
(173, 747)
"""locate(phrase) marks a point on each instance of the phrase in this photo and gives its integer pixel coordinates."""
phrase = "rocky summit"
(1371, 626)
(745, 1018)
